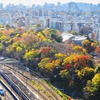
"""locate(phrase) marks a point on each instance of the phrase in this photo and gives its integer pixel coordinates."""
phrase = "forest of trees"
(68, 66)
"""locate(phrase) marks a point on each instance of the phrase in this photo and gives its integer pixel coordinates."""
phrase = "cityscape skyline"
(44, 1)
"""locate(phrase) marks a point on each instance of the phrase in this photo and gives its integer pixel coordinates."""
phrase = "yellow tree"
(43, 62)
(29, 55)
(47, 33)
(41, 36)
(86, 44)
(86, 73)
(93, 88)
(29, 39)
(94, 45)
(49, 66)
(59, 55)
(79, 49)
(70, 59)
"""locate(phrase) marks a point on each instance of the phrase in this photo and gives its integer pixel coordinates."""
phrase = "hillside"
(68, 66)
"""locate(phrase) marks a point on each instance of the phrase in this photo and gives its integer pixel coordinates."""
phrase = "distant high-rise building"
(73, 7)
(59, 25)
(98, 6)
(45, 5)
(20, 6)
(48, 22)
(40, 12)
(1, 6)
(33, 6)
(58, 4)
(98, 35)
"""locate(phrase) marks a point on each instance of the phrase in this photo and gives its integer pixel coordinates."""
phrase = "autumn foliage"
(97, 50)
(85, 43)
(69, 59)
(42, 52)
(45, 50)
(81, 61)
(17, 39)
(67, 66)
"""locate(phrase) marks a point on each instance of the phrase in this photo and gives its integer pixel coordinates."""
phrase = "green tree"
(64, 74)
(43, 62)
(92, 88)
(74, 32)
(97, 69)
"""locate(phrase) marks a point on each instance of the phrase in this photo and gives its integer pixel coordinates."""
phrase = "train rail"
(30, 75)
(18, 86)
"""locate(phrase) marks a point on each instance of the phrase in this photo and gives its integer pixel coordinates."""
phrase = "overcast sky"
(30, 2)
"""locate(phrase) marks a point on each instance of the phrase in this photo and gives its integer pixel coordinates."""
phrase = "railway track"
(53, 95)
(8, 95)
(18, 86)
(32, 87)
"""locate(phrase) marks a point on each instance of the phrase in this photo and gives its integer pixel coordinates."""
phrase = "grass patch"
(40, 88)
(61, 94)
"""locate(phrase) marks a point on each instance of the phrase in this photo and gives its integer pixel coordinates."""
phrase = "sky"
(30, 2)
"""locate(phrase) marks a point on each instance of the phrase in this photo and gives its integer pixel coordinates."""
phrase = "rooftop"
(66, 36)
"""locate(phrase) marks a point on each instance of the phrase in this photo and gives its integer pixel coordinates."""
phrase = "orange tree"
(45, 50)
(81, 61)
(79, 73)
(97, 50)
(84, 71)
(69, 59)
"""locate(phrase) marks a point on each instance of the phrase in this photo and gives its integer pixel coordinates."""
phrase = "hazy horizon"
(5, 2)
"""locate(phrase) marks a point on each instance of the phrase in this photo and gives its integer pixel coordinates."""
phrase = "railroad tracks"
(21, 86)
(17, 86)
(26, 75)
(8, 93)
